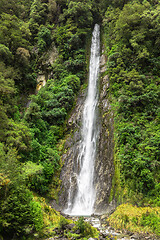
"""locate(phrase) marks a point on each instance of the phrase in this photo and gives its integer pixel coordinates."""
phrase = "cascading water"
(83, 203)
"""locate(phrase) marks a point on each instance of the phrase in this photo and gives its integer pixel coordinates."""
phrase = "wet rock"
(103, 217)
(63, 238)
(93, 239)
(69, 158)
(135, 236)
(103, 62)
(104, 169)
(54, 205)
(77, 231)
(50, 57)
(104, 235)
(56, 230)
(129, 233)
(70, 226)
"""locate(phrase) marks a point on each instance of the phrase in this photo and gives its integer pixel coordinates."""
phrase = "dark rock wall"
(104, 167)
(71, 150)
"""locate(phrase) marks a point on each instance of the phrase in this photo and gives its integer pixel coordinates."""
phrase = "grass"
(136, 219)
(51, 218)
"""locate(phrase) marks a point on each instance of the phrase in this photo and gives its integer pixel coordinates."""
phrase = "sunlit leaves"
(17, 136)
(11, 34)
(142, 219)
(29, 169)
(5, 54)
(80, 13)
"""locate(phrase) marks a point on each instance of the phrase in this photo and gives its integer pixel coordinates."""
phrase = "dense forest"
(33, 123)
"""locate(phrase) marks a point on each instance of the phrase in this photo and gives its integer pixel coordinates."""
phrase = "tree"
(80, 13)
(44, 38)
(19, 213)
(12, 32)
(5, 54)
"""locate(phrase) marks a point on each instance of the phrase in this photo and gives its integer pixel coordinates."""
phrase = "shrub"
(136, 219)
(73, 82)
(62, 223)
(44, 38)
(85, 228)
(19, 213)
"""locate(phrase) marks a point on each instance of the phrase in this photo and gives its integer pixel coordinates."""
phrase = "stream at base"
(107, 231)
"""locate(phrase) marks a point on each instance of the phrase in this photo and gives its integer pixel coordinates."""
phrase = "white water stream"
(84, 200)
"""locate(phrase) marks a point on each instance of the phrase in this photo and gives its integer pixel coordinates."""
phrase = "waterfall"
(84, 199)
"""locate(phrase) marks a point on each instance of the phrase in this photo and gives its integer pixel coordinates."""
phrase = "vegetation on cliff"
(29, 136)
(144, 220)
(30, 160)
(131, 39)
(133, 67)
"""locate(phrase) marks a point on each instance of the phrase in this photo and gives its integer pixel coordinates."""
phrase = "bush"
(73, 82)
(81, 224)
(62, 223)
(5, 54)
(37, 215)
(152, 220)
(19, 213)
(136, 219)
(85, 228)
(44, 38)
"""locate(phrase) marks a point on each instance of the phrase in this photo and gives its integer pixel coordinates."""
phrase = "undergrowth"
(136, 219)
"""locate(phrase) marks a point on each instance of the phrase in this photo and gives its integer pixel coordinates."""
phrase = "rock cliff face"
(104, 167)
(45, 64)
(71, 150)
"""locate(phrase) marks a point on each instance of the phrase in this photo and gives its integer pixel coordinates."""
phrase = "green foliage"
(3, 120)
(44, 38)
(134, 219)
(53, 9)
(12, 32)
(135, 93)
(38, 12)
(80, 13)
(42, 177)
(7, 91)
(73, 82)
(5, 54)
(86, 230)
(33, 112)
(62, 223)
(19, 213)
(28, 155)
(152, 220)
(28, 136)
(48, 109)
(30, 169)
(65, 37)
(36, 214)
(81, 224)
(53, 104)
(20, 8)
(9, 166)
(17, 136)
